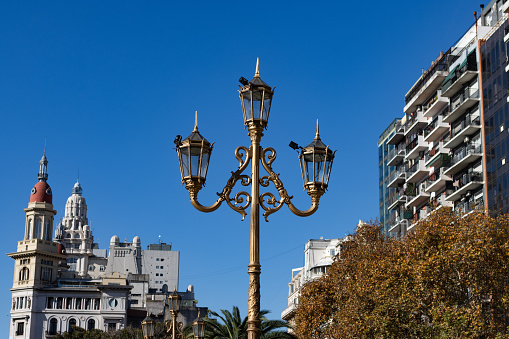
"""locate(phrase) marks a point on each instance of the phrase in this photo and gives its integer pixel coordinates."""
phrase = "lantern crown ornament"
(194, 155)
(256, 98)
(316, 164)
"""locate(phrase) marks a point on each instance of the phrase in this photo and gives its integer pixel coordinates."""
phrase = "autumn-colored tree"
(447, 279)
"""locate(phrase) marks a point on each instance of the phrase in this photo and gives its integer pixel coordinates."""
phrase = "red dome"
(41, 193)
(61, 249)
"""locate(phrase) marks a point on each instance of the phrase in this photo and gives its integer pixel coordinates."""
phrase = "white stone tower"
(36, 258)
(74, 232)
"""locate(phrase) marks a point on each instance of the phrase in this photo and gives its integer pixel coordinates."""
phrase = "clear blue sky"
(110, 84)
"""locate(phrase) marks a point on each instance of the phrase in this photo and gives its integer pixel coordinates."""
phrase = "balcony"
(396, 155)
(428, 83)
(401, 223)
(415, 120)
(436, 181)
(466, 184)
(417, 171)
(397, 178)
(463, 158)
(435, 105)
(461, 75)
(465, 101)
(466, 127)
(420, 196)
(433, 154)
(467, 207)
(435, 129)
(417, 145)
(397, 199)
(398, 135)
(289, 312)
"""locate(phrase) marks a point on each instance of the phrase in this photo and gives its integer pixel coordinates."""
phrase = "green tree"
(447, 279)
(230, 325)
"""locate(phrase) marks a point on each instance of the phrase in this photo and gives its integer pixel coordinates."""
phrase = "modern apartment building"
(450, 147)
(386, 150)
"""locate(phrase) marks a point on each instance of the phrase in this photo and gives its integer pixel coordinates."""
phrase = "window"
(20, 328)
(47, 233)
(59, 303)
(101, 268)
(96, 303)
(78, 303)
(162, 259)
(88, 304)
(24, 273)
(38, 227)
(49, 303)
(30, 226)
(157, 259)
(112, 327)
(90, 325)
(53, 323)
(157, 267)
(68, 303)
(72, 323)
(46, 273)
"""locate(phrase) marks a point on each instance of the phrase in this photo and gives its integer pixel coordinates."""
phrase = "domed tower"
(74, 232)
(40, 213)
(37, 256)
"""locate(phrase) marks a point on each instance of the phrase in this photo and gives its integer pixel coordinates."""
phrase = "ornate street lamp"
(174, 301)
(316, 163)
(199, 328)
(148, 326)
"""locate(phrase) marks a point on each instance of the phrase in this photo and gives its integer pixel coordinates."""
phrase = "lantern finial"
(257, 72)
(195, 121)
(317, 136)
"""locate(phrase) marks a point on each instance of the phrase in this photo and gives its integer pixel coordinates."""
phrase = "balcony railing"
(436, 176)
(470, 65)
(440, 65)
(468, 178)
(464, 152)
(466, 207)
(465, 123)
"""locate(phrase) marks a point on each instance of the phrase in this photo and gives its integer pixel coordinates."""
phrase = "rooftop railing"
(440, 65)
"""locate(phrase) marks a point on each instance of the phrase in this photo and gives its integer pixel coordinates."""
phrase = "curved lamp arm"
(268, 198)
(194, 186)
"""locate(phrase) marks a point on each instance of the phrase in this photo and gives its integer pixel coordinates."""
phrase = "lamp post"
(174, 300)
(199, 328)
(315, 161)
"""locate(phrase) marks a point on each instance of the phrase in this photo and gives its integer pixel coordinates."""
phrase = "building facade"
(451, 145)
(68, 281)
(318, 257)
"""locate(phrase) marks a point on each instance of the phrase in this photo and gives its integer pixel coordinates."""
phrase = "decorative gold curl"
(285, 198)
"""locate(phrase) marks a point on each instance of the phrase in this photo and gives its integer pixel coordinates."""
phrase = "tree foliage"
(80, 333)
(447, 279)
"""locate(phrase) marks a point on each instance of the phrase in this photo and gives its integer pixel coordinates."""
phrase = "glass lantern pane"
(266, 106)
(257, 104)
(204, 164)
(185, 161)
(247, 105)
(195, 160)
(328, 167)
(318, 170)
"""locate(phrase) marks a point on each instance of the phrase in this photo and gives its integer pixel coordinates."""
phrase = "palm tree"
(232, 326)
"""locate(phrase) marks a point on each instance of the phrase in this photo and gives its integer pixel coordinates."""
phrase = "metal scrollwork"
(242, 200)
(268, 155)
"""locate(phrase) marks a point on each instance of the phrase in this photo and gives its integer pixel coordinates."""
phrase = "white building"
(318, 257)
(44, 300)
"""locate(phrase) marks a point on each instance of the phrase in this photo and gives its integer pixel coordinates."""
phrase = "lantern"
(199, 328)
(174, 300)
(194, 155)
(316, 163)
(148, 326)
(256, 98)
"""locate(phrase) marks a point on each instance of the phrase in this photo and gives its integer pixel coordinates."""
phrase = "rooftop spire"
(43, 167)
(195, 121)
(257, 72)
(317, 136)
